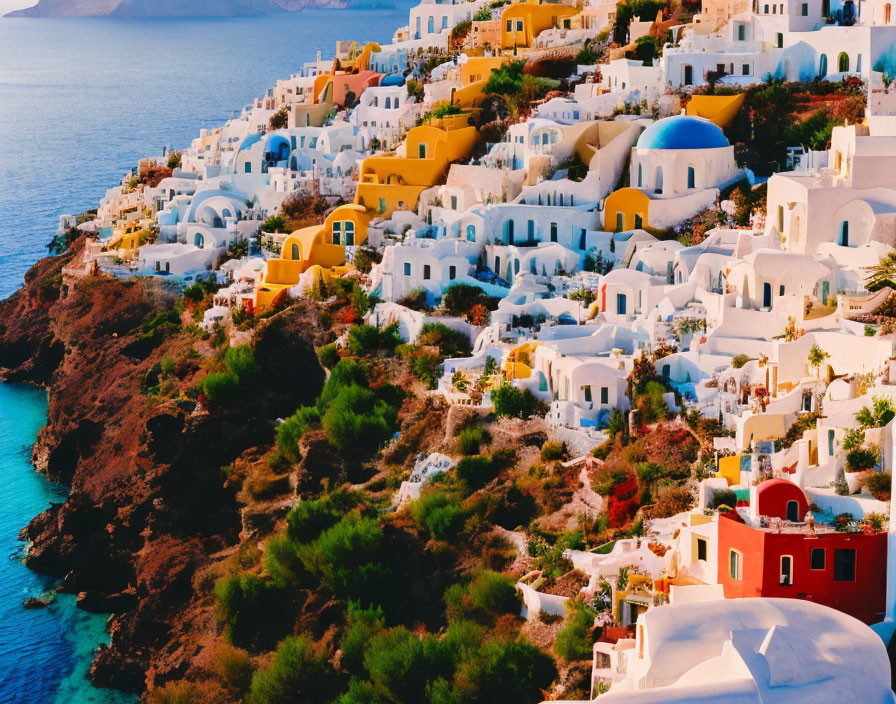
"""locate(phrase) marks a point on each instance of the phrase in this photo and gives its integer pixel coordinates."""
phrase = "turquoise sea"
(80, 101)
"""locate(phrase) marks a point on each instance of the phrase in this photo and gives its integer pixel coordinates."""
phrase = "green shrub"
(724, 497)
(494, 593)
(476, 471)
(299, 673)
(364, 340)
(397, 664)
(359, 420)
(574, 642)
(248, 606)
(552, 451)
(347, 557)
(363, 625)
(310, 518)
(290, 431)
(282, 563)
(506, 671)
(234, 667)
(511, 402)
(328, 356)
(228, 389)
(346, 373)
(739, 360)
(861, 458)
(441, 515)
(879, 485)
(425, 366)
(460, 298)
(469, 440)
(450, 342)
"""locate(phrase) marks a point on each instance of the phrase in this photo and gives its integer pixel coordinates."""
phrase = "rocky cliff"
(148, 505)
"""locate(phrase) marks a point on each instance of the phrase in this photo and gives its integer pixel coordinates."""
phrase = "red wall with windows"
(863, 597)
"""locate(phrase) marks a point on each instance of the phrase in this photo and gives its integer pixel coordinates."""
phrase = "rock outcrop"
(148, 505)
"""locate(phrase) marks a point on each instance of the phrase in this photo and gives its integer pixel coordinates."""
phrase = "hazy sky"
(10, 5)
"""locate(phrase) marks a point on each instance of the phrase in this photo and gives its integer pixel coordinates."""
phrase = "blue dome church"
(681, 155)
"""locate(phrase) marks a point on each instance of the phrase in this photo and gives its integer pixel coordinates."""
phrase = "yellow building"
(390, 183)
(720, 109)
(321, 246)
(626, 209)
(522, 22)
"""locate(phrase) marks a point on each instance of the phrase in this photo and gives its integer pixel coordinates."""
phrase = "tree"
(506, 671)
(275, 223)
(174, 160)
(574, 642)
(483, 15)
(359, 420)
(299, 673)
(279, 120)
(347, 558)
(816, 358)
(882, 274)
(291, 430)
(440, 514)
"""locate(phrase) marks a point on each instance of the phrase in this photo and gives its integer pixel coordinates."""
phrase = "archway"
(198, 240)
(295, 252)
(823, 66)
(843, 62)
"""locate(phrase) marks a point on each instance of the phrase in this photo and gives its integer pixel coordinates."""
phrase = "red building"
(846, 571)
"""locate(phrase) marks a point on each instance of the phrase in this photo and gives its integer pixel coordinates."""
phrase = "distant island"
(170, 8)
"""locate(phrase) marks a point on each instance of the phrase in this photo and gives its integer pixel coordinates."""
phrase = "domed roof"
(682, 132)
(392, 79)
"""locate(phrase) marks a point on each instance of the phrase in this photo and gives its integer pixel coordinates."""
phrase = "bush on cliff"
(227, 389)
(364, 340)
(511, 402)
(291, 430)
(251, 611)
(439, 514)
(575, 641)
(359, 420)
(299, 673)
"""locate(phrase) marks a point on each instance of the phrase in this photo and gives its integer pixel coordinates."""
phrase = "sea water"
(81, 100)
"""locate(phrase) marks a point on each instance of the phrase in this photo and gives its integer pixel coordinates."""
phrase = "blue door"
(767, 295)
(620, 304)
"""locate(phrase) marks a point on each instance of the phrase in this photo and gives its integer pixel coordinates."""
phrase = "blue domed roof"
(393, 79)
(682, 132)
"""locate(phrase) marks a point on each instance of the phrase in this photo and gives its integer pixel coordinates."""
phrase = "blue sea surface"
(81, 100)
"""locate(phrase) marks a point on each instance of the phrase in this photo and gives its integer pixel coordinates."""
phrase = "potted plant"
(860, 461)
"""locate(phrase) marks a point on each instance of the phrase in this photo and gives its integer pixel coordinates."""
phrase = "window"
(640, 175)
(780, 218)
(745, 69)
(701, 549)
(844, 565)
(780, 40)
(407, 268)
(843, 62)
(619, 222)
(741, 32)
(471, 233)
(816, 559)
(786, 571)
(382, 205)
(688, 75)
(639, 221)
(421, 151)
(454, 202)
(734, 564)
(605, 395)
(248, 167)
(348, 227)
(452, 272)
(766, 9)
(620, 304)
(843, 241)
(337, 233)
(509, 25)
(508, 232)
(530, 230)
(426, 271)
(804, 10)
(823, 65)
(692, 177)
(781, 290)
(587, 391)
(519, 25)
(553, 232)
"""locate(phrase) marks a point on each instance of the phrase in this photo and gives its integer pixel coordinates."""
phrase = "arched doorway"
(295, 253)
(843, 62)
(823, 66)
(198, 240)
